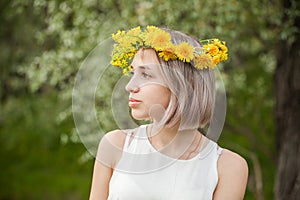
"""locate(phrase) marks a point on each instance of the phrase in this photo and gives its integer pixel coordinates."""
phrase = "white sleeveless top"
(143, 173)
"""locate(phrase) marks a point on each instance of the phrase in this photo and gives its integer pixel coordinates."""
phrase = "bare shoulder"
(233, 176)
(231, 161)
(111, 147)
(116, 137)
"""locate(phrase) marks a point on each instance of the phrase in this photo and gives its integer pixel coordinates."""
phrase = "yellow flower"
(224, 57)
(216, 42)
(150, 29)
(223, 48)
(160, 41)
(134, 31)
(135, 36)
(124, 62)
(128, 43)
(184, 51)
(157, 39)
(203, 61)
(130, 55)
(125, 72)
(119, 35)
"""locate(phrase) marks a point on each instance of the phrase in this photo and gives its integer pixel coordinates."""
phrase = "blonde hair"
(192, 90)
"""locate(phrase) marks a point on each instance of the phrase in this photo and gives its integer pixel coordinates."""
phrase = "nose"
(132, 86)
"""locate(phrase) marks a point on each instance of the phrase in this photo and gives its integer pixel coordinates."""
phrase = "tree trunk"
(287, 111)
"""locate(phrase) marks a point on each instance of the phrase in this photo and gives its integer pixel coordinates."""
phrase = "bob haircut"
(192, 90)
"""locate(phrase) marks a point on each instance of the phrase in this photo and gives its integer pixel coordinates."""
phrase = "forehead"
(145, 57)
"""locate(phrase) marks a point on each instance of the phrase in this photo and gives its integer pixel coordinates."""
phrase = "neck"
(161, 137)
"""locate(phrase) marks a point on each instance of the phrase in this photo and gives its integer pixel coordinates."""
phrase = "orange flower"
(168, 53)
(212, 49)
(216, 59)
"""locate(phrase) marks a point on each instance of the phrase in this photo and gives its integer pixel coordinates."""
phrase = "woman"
(172, 85)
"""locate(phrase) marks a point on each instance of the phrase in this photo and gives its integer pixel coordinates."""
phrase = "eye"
(146, 75)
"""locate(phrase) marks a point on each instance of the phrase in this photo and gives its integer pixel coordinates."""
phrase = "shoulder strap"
(127, 139)
(219, 150)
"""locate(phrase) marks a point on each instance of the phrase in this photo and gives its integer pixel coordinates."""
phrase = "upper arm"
(100, 181)
(109, 152)
(233, 176)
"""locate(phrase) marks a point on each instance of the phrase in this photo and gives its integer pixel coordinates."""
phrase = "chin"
(139, 116)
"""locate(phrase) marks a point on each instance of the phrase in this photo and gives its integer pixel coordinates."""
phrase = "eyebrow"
(141, 67)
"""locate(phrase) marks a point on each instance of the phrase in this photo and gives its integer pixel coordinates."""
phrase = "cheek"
(159, 95)
(165, 99)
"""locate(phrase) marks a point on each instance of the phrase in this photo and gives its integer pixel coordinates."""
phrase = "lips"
(134, 102)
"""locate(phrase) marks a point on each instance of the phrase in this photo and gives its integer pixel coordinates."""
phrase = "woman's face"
(148, 94)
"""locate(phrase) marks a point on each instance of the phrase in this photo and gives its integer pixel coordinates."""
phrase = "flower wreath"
(128, 43)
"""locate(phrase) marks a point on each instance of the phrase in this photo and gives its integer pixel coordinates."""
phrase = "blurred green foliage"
(43, 44)
(35, 163)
